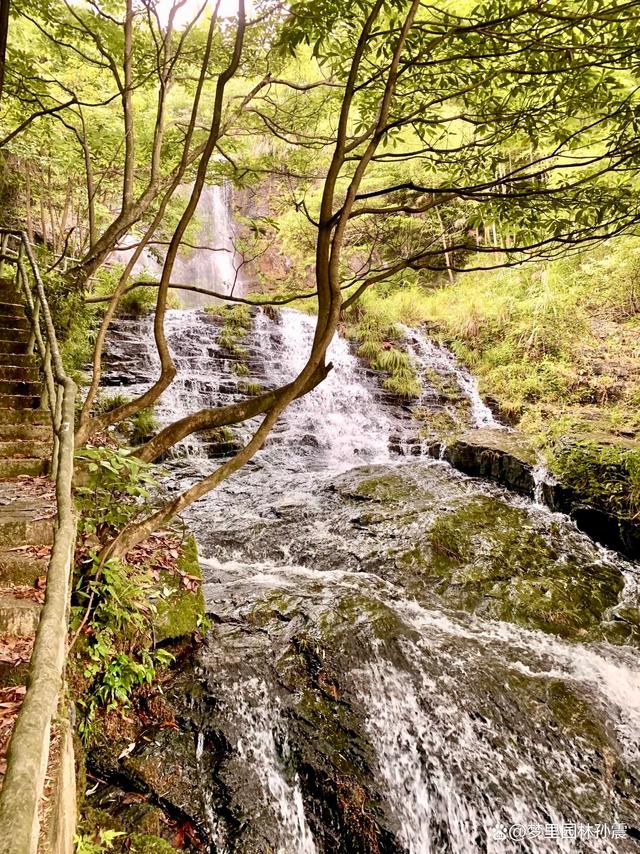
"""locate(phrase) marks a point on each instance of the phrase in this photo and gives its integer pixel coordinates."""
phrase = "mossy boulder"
(180, 613)
(130, 822)
(597, 481)
(488, 557)
(483, 553)
(146, 767)
(497, 455)
(600, 488)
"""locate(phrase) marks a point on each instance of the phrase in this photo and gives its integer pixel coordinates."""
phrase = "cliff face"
(268, 268)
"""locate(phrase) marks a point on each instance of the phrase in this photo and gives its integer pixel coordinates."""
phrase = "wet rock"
(308, 440)
(160, 764)
(294, 731)
(219, 450)
(506, 458)
(481, 553)
(615, 532)
(493, 454)
(488, 558)
(333, 694)
(180, 614)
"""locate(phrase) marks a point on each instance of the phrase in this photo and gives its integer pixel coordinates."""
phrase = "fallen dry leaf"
(15, 650)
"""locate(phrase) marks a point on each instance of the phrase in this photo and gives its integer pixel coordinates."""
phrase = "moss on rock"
(181, 612)
(141, 843)
(605, 474)
(488, 557)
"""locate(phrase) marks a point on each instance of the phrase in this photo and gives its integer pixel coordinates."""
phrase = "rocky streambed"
(401, 658)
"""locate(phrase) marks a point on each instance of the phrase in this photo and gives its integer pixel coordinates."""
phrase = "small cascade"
(444, 379)
(472, 723)
(542, 478)
(263, 745)
(204, 375)
(339, 422)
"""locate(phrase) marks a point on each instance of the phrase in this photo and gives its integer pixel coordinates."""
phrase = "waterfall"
(448, 703)
(148, 263)
(342, 681)
(337, 424)
(214, 266)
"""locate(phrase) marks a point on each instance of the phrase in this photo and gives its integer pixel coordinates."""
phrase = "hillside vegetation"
(556, 350)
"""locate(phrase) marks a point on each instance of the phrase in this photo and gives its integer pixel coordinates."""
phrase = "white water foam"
(340, 418)
(267, 757)
(430, 356)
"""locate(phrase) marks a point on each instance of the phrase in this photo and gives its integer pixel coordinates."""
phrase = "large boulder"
(500, 455)
(506, 457)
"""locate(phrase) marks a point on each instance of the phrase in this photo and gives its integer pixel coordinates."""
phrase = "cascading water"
(213, 265)
(340, 421)
(393, 665)
(433, 359)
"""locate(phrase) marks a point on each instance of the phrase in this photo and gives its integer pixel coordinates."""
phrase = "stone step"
(14, 309)
(18, 373)
(10, 294)
(19, 401)
(18, 387)
(19, 526)
(29, 432)
(22, 567)
(35, 417)
(29, 388)
(33, 467)
(18, 345)
(24, 447)
(15, 337)
(14, 322)
(20, 360)
(18, 617)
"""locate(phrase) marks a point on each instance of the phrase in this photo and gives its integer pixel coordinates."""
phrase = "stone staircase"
(27, 500)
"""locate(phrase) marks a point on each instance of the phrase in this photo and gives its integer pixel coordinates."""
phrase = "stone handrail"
(28, 753)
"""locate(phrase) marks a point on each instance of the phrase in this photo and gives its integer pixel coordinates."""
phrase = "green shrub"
(112, 597)
(608, 476)
(109, 402)
(137, 429)
(143, 425)
(393, 361)
(97, 843)
(117, 487)
(241, 369)
(370, 324)
(138, 302)
(119, 655)
(252, 388)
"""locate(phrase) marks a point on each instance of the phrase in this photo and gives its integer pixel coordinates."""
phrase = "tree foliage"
(392, 138)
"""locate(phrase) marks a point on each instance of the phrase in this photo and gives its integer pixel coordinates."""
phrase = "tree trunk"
(4, 30)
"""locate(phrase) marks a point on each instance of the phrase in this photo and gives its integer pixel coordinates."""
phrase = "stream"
(401, 658)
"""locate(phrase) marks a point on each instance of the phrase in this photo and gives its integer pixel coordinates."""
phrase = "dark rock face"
(492, 454)
(614, 532)
(505, 458)
(369, 678)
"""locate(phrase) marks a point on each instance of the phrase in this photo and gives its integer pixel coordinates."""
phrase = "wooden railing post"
(28, 752)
